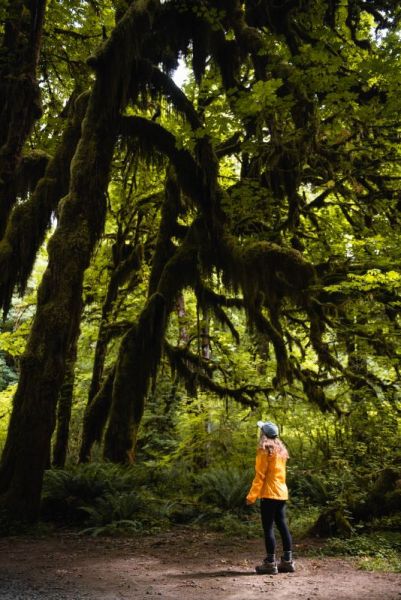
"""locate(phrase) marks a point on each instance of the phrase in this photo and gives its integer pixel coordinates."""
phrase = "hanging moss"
(31, 169)
(316, 394)
(209, 300)
(227, 56)
(30, 220)
(200, 48)
(19, 92)
(165, 249)
(166, 86)
(149, 139)
(264, 270)
(195, 372)
(264, 326)
(56, 323)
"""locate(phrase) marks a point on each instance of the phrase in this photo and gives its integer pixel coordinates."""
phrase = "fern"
(115, 507)
(225, 488)
(124, 526)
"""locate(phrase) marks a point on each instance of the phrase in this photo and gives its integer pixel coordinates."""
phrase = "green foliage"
(307, 488)
(230, 524)
(5, 410)
(8, 375)
(314, 165)
(226, 488)
(301, 519)
(118, 512)
(371, 552)
(68, 493)
(373, 279)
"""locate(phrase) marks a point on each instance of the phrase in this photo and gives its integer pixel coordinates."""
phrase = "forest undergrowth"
(107, 500)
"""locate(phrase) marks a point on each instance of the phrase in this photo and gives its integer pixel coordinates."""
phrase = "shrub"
(68, 493)
(225, 488)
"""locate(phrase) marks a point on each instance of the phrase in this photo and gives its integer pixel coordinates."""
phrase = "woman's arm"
(261, 464)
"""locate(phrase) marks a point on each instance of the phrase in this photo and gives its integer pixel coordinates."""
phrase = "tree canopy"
(250, 214)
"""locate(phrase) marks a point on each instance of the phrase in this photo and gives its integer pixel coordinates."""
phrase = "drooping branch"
(207, 298)
(81, 221)
(150, 137)
(157, 81)
(31, 169)
(30, 220)
(180, 359)
(19, 91)
(258, 269)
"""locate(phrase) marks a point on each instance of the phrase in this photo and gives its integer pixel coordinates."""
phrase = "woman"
(269, 485)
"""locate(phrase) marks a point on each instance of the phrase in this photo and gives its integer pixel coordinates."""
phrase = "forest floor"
(182, 563)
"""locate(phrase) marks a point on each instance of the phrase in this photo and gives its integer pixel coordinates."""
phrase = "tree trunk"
(19, 91)
(64, 410)
(59, 296)
(122, 270)
(141, 347)
(95, 418)
(56, 322)
(140, 354)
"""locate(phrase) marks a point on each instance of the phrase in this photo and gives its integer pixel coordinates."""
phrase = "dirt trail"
(182, 564)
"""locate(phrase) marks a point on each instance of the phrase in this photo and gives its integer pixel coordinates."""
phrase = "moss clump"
(331, 522)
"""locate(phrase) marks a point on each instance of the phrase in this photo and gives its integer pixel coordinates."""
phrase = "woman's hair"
(273, 446)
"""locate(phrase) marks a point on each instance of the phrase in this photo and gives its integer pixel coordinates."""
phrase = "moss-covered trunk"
(59, 296)
(140, 354)
(19, 90)
(64, 407)
(57, 320)
(96, 411)
(29, 221)
(96, 415)
(141, 347)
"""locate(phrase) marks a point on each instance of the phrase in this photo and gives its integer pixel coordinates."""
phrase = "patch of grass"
(372, 552)
(232, 525)
(391, 564)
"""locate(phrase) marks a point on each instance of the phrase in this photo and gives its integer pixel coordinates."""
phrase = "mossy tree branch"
(180, 360)
(19, 91)
(30, 220)
(81, 220)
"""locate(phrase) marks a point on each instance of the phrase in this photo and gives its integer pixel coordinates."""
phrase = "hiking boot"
(286, 566)
(267, 568)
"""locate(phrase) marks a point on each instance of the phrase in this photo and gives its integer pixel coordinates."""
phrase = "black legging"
(273, 511)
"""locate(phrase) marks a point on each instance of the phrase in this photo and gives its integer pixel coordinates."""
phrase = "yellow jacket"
(269, 480)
